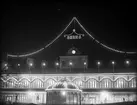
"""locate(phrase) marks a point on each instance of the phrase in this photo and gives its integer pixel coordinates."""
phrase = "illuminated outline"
(74, 18)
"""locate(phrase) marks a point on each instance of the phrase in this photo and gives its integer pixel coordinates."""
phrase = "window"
(121, 83)
(132, 83)
(106, 83)
(24, 83)
(49, 82)
(92, 83)
(37, 83)
(11, 83)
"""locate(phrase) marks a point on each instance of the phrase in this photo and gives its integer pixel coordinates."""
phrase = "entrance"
(63, 92)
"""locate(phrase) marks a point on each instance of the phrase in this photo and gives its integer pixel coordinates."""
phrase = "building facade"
(119, 86)
(96, 87)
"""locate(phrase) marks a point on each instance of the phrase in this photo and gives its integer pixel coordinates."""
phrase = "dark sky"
(26, 27)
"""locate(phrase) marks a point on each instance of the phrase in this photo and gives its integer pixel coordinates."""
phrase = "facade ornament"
(74, 35)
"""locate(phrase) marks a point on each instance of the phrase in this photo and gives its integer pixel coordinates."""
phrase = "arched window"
(37, 83)
(106, 83)
(11, 83)
(78, 82)
(49, 82)
(132, 83)
(92, 83)
(121, 83)
(24, 83)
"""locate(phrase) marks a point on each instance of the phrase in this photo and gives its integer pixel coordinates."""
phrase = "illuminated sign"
(74, 35)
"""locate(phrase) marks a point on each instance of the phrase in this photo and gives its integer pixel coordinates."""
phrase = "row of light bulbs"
(44, 64)
(113, 62)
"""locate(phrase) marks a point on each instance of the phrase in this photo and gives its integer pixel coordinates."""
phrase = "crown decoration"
(73, 35)
(64, 79)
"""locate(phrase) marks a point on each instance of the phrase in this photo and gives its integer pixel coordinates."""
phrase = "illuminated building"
(74, 73)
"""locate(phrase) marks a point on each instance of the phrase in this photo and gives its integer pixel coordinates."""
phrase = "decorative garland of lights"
(17, 81)
(74, 18)
(24, 55)
(101, 43)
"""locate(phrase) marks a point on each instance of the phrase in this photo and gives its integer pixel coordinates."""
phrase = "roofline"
(79, 74)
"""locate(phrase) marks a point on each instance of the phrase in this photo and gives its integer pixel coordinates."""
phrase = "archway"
(63, 92)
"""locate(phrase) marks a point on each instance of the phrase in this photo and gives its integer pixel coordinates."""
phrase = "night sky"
(27, 27)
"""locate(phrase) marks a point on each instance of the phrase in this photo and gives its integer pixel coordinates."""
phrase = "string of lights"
(12, 80)
(24, 55)
(73, 19)
(101, 43)
(44, 64)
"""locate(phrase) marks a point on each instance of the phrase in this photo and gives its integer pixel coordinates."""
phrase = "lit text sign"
(74, 36)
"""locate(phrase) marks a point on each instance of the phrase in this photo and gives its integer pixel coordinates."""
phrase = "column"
(69, 97)
(47, 102)
(80, 98)
(77, 96)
